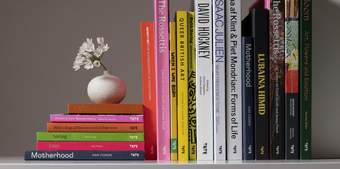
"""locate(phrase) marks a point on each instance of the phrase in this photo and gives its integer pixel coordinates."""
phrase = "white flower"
(98, 52)
(88, 65)
(100, 41)
(87, 46)
(89, 56)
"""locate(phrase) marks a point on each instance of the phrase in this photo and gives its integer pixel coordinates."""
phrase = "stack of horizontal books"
(92, 132)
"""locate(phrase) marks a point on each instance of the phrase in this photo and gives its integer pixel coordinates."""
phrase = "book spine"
(234, 86)
(60, 118)
(161, 16)
(148, 85)
(121, 109)
(56, 136)
(292, 78)
(84, 155)
(89, 146)
(96, 127)
(204, 80)
(248, 97)
(276, 67)
(219, 51)
(260, 19)
(305, 79)
(192, 87)
(182, 84)
(173, 92)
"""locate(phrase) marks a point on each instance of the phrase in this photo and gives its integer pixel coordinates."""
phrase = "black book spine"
(292, 127)
(260, 33)
(248, 97)
(84, 155)
(276, 67)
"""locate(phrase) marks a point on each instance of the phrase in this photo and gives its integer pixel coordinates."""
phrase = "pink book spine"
(161, 17)
(89, 146)
(267, 4)
(97, 118)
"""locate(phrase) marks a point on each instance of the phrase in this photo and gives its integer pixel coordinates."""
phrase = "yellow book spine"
(182, 85)
(173, 92)
(192, 87)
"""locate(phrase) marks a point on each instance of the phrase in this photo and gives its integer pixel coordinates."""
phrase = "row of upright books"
(217, 87)
(92, 132)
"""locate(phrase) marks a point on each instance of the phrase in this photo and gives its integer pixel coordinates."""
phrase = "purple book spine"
(97, 118)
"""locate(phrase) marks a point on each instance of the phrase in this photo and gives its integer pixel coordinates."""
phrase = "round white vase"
(106, 88)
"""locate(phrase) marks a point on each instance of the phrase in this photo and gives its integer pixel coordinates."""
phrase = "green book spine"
(305, 78)
(49, 136)
(192, 87)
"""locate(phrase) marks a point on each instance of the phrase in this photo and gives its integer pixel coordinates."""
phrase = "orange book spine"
(149, 88)
(105, 109)
(96, 127)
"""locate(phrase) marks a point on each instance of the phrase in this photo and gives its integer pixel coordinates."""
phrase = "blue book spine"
(248, 97)
(84, 155)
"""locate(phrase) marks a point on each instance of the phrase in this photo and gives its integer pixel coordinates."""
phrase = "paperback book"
(233, 82)
(161, 18)
(84, 155)
(292, 79)
(192, 87)
(204, 80)
(105, 109)
(305, 98)
(182, 84)
(89, 146)
(65, 118)
(62, 136)
(148, 85)
(219, 67)
(96, 127)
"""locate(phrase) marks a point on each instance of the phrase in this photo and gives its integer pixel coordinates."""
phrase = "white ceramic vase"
(106, 88)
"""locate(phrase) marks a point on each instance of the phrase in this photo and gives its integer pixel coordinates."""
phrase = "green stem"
(103, 66)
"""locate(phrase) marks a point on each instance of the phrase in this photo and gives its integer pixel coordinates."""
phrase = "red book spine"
(149, 88)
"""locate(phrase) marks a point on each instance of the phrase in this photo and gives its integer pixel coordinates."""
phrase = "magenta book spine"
(161, 19)
(61, 118)
(89, 146)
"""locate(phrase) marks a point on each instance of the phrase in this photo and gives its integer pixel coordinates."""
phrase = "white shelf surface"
(19, 162)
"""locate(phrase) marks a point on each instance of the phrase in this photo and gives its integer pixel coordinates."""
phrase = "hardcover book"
(204, 80)
(305, 98)
(64, 118)
(89, 146)
(276, 76)
(161, 17)
(192, 87)
(148, 85)
(105, 109)
(258, 20)
(96, 127)
(292, 78)
(248, 97)
(84, 155)
(233, 83)
(173, 92)
(219, 52)
(182, 84)
(60, 136)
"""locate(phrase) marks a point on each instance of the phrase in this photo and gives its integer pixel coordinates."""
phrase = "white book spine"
(234, 87)
(219, 52)
(204, 80)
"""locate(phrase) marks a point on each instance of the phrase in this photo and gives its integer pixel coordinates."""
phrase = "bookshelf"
(18, 163)
(326, 80)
